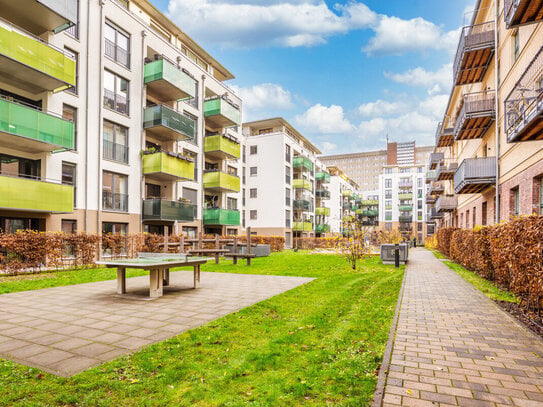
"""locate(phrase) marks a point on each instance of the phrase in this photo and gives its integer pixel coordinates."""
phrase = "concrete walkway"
(66, 330)
(454, 346)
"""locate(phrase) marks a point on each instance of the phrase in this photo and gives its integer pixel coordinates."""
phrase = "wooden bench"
(215, 252)
(236, 254)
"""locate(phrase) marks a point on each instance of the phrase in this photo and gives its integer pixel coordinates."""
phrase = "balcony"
(302, 163)
(388, 207)
(369, 202)
(346, 206)
(27, 129)
(114, 201)
(218, 216)
(322, 211)
(29, 63)
(405, 218)
(475, 175)
(405, 184)
(222, 147)
(436, 188)
(167, 167)
(166, 124)
(167, 211)
(370, 223)
(166, 82)
(347, 193)
(430, 200)
(446, 203)
(474, 53)
(430, 176)
(320, 228)
(39, 16)
(476, 116)
(445, 133)
(322, 194)
(302, 184)
(219, 112)
(524, 105)
(435, 159)
(405, 197)
(302, 226)
(406, 208)
(323, 177)
(520, 12)
(302, 205)
(347, 218)
(219, 181)
(446, 172)
(434, 214)
(36, 196)
(369, 214)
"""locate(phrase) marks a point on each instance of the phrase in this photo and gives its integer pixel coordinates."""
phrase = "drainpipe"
(87, 122)
(497, 106)
(143, 135)
(202, 158)
(100, 126)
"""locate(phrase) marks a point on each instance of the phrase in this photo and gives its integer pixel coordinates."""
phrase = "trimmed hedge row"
(510, 254)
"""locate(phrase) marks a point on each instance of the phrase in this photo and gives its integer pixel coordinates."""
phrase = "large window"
(388, 183)
(70, 113)
(253, 171)
(115, 192)
(232, 204)
(117, 45)
(252, 193)
(75, 57)
(115, 92)
(109, 227)
(115, 142)
(69, 176)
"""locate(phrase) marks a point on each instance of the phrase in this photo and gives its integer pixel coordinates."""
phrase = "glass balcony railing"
(164, 210)
(222, 147)
(302, 226)
(220, 112)
(322, 176)
(167, 124)
(302, 205)
(369, 202)
(302, 184)
(33, 130)
(405, 196)
(302, 162)
(369, 214)
(322, 211)
(218, 216)
(167, 166)
(166, 82)
(322, 228)
(221, 181)
(405, 208)
(33, 195)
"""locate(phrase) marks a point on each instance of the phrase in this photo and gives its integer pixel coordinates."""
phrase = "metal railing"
(473, 37)
(115, 152)
(117, 53)
(479, 104)
(446, 203)
(475, 171)
(114, 201)
(115, 101)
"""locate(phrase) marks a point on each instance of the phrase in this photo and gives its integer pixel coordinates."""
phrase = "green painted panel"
(302, 226)
(221, 143)
(162, 69)
(322, 176)
(369, 202)
(322, 211)
(32, 195)
(160, 209)
(302, 162)
(302, 184)
(218, 216)
(167, 164)
(405, 196)
(220, 106)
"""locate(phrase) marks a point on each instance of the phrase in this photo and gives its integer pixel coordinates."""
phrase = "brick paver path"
(454, 346)
(66, 330)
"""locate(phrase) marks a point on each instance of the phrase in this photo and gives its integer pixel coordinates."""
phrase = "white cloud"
(264, 99)
(381, 107)
(324, 120)
(327, 148)
(435, 81)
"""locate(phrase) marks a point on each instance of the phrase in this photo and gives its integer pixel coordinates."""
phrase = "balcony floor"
(27, 144)
(163, 90)
(474, 127)
(474, 186)
(530, 130)
(528, 11)
(474, 65)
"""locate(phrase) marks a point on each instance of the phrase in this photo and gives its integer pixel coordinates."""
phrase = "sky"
(344, 73)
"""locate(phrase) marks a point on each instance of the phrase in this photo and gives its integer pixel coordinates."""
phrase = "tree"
(357, 245)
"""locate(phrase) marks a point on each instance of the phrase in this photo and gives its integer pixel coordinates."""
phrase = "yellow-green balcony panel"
(167, 124)
(322, 211)
(166, 82)
(219, 181)
(162, 210)
(29, 63)
(370, 202)
(31, 130)
(405, 197)
(222, 147)
(302, 226)
(218, 216)
(37, 196)
(347, 193)
(220, 112)
(302, 184)
(167, 166)
(39, 16)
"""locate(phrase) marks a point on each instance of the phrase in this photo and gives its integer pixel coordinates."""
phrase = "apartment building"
(344, 194)
(112, 119)
(487, 165)
(287, 191)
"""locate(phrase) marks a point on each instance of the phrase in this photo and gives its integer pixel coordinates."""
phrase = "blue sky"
(344, 73)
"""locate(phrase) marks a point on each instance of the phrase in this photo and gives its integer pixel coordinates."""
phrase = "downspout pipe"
(497, 107)
(100, 126)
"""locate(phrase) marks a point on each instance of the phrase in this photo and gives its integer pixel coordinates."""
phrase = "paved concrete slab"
(65, 330)
(454, 346)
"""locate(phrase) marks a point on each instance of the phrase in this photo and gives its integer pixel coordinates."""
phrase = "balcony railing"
(166, 124)
(446, 203)
(446, 172)
(405, 218)
(39, 16)
(346, 206)
(164, 210)
(302, 226)
(221, 181)
(166, 82)
(474, 53)
(323, 177)
(520, 12)
(405, 197)
(405, 184)
(114, 201)
(476, 116)
(436, 188)
(474, 175)
(32, 130)
(167, 166)
(222, 146)
(322, 228)
(302, 184)
(445, 133)
(115, 152)
(218, 216)
(220, 112)
(369, 213)
(406, 208)
(430, 200)
(302, 205)
(435, 159)
(434, 214)
(524, 105)
(35, 195)
(347, 193)
(430, 176)
(322, 193)
(117, 53)
(369, 202)
(302, 162)
(322, 211)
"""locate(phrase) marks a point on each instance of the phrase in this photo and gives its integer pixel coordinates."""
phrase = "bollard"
(397, 256)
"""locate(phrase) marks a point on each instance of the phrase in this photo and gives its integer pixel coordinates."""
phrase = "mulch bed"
(530, 319)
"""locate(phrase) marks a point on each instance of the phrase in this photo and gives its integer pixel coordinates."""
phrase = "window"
(232, 170)
(68, 226)
(20, 167)
(388, 194)
(419, 182)
(287, 218)
(69, 176)
(190, 195)
(232, 204)
(115, 142)
(153, 191)
(115, 191)
(117, 45)
(388, 183)
(252, 193)
(287, 153)
(483, 213)
(419, 170)
(515, 195)
(244, 154)
(109, 227)
(70, 113)
(252, 214)
(516, 45)
(253, 150)
(253, 171)
(474, 216)
(265, 131)
(388, 215)
(287, 174)
(287, 196)
(115, 92)
(75, 56)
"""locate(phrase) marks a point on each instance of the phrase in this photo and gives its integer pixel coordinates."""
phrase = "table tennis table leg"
(156, 283)
(196, 275)
(166, 277)
(216, 258)
(121, 280)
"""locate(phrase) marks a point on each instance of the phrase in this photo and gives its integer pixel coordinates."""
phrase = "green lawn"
(438, 254)
(320, 343)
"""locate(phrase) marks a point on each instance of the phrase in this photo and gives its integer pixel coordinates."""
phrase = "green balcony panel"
(166, 167)
(323, 177)
(219, 112)
(167, 82)
(369, 214)
(370, 202)
(168, 211)
(322, 228)
(302, 184)
(218, 216)
(34, 131)
(33, 65)
(302, 162)
(302, 226)
(322, 211)
(39, 16)
(222, 147)
(166, 124)
(32, 195)
(388, 217)
(406, 208)
(221, 182)
(347, 193)
(405, 197)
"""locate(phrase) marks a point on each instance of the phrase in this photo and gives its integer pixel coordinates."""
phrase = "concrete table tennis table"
(159, 265)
